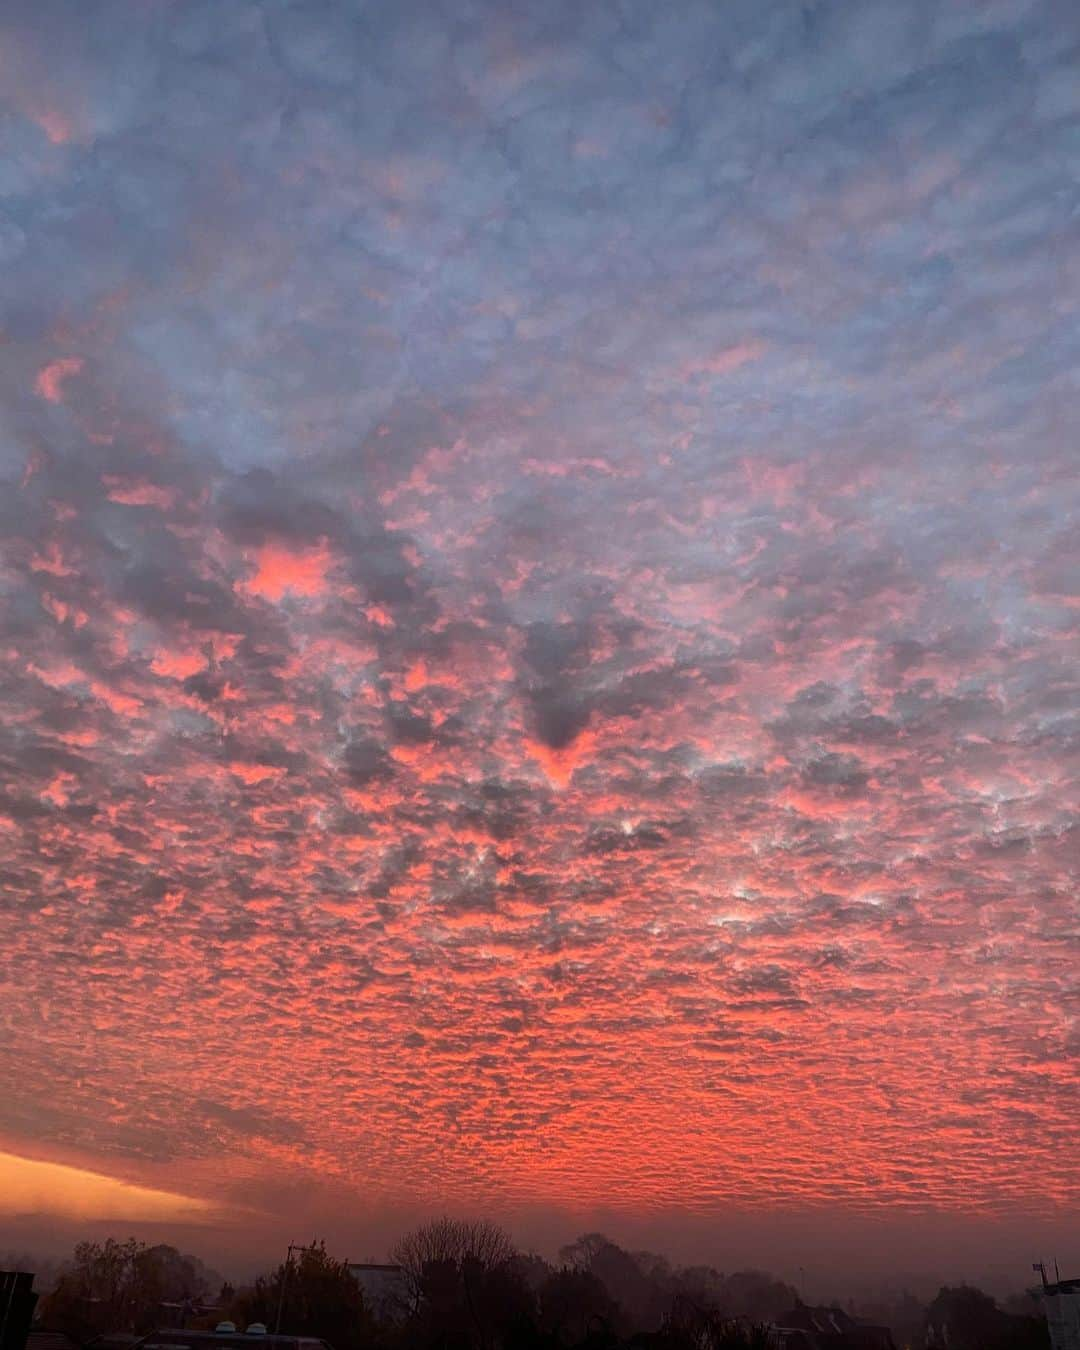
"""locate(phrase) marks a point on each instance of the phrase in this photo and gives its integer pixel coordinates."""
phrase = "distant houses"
(1061, 1302)
(383, 1287)
(828, 1328)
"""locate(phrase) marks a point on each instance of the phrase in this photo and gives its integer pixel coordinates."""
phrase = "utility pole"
(286, 1272)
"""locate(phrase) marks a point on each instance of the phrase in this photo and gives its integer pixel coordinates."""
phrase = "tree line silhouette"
(464, 1286)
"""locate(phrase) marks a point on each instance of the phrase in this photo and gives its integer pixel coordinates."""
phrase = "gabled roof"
(806, 1318)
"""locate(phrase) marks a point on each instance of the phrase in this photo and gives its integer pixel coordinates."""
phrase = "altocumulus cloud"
(539, 572)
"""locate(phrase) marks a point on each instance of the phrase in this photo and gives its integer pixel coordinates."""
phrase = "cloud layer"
(539, 599)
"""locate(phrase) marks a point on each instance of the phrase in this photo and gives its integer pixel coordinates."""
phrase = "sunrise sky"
(538, 617)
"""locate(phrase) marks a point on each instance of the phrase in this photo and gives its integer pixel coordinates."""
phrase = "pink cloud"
(51, 378)
(178, 663)
(724, 361)
(56, 125)
(280, 571)
(139, 492)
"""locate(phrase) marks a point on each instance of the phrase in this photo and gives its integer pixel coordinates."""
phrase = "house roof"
(50, 1340)
(818, 1327)
(807, 1318)
(1062, 1287)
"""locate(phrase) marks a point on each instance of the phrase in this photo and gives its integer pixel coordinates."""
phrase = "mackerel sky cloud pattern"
(539, 627)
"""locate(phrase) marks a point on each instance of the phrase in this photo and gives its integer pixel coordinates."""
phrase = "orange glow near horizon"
(30, 1186)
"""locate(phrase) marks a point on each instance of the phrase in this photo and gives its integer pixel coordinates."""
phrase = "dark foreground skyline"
(539, 622)
(466, 1283)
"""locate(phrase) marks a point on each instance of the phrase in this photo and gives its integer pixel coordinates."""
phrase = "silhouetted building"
(809, 1328)
(383, 1288)
(1061, 1301)
(51, 1340)
(17, 1303)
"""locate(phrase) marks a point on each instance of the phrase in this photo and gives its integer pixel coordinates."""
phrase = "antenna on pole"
(1040, 1266)
(285, 1271)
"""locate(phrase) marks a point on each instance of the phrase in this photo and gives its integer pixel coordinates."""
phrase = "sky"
(538, 621)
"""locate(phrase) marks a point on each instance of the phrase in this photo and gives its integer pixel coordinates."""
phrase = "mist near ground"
(825, 1256)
